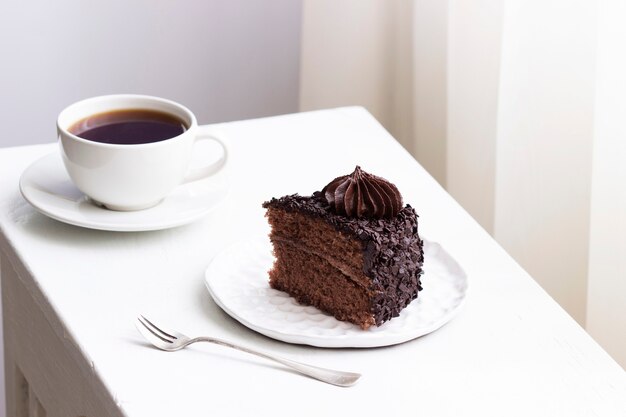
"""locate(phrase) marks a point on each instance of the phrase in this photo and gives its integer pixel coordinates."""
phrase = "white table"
(70, 296)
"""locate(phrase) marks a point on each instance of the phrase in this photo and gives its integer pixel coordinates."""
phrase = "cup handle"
(196, 174)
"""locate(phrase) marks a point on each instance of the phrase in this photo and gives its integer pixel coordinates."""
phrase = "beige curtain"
(516, 107)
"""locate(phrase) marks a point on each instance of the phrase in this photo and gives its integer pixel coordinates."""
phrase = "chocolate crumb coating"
(392, 252)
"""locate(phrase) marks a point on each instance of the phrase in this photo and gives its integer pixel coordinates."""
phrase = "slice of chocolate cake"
(350, 250)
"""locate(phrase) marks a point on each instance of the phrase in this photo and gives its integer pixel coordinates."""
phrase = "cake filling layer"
(318, 237)
(350, 271)
(320, 284)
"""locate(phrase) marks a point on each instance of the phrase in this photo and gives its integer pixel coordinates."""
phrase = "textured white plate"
(47, 187)
(237, 279)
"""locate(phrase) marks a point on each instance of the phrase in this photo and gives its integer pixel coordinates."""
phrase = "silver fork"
(171, 341)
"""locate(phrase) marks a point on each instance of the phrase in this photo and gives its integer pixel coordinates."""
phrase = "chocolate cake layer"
(381, 258)
(333, 291)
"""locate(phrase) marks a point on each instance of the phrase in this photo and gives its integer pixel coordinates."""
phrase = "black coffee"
(129, 127)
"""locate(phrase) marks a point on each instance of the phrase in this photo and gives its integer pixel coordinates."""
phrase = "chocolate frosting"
(363, 195)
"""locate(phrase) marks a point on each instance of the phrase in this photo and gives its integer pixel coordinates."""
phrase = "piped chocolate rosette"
(361, 194)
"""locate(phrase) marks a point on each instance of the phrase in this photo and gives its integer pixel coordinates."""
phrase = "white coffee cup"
(131, 177)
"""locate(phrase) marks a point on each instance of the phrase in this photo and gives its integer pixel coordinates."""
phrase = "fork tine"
(143, 325)
(154, 327)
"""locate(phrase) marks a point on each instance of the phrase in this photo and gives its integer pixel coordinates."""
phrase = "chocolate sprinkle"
(392, 250)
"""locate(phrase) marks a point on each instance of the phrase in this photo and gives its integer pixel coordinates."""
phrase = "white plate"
(237, 279)
(46, 186)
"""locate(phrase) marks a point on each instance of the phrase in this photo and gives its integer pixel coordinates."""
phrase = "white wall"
(606, 311)
(473, 74)
(224, 59)
(430, 86)
(544, 143)
(346, 45)
(388, 56)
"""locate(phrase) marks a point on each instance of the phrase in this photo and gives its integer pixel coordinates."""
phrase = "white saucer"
(46, 185)
(237, 279)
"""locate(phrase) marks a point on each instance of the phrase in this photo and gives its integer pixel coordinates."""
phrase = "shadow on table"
(29, 220)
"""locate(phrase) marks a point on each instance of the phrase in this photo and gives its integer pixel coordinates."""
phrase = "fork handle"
(330, 376)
